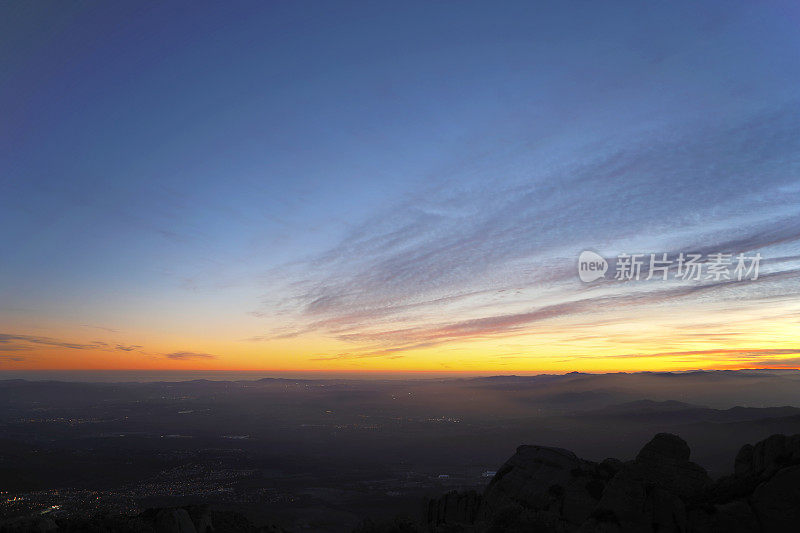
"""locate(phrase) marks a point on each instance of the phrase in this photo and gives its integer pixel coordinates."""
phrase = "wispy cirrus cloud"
(110, 330)
(452, 250)
(385, 342)
(130, 348)
(388, 354)
(26, 342)
(723, 353)
(11, 342)
(182, 356)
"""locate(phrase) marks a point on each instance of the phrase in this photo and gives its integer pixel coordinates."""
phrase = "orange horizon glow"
(643, 337)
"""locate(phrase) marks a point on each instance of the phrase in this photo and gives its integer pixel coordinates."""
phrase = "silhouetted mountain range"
(661, 412)
(546, 489)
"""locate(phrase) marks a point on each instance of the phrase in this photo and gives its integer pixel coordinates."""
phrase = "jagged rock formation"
(545, 489)
(454, 508)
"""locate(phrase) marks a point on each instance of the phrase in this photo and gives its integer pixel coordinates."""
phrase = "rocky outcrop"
(551, 485)
(664, 462)
(552, 490)
(768, 456)
(454, 508)
(776, 502)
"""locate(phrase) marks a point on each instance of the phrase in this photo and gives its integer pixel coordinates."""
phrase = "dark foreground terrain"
(661, 490)
(543, 489)
(338, 455)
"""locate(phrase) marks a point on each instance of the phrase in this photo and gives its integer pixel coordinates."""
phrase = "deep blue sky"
(350, 170)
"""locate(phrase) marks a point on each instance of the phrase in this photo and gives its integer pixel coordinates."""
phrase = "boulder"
(743, 464)
(529, 473)
(664, 462)
(665, 447)
(768, 456)
(648, 494)
(736, 517)
(454, 508)
(777, 501)
(544, 479)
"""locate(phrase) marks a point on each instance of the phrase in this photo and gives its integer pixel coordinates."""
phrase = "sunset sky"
(395, 186)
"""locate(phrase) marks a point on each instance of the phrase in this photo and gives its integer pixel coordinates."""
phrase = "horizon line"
(5, 375)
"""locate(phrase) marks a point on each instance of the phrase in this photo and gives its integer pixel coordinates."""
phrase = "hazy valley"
(322, 455)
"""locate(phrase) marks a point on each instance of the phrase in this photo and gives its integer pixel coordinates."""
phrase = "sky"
(369, 186)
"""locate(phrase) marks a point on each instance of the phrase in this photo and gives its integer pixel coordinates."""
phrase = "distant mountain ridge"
(691, 412)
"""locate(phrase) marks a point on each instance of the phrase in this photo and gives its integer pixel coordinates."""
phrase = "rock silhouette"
(543, 489)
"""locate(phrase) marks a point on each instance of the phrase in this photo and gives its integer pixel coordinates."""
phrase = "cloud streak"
(453, 249)
(183, 356)
(26, 342)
